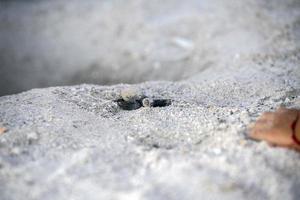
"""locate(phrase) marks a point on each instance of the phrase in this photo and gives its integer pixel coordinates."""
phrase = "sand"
(221, 64)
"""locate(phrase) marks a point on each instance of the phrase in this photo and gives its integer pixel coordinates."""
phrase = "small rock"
(217, 151)
(242, 142)
(15, 151)
(32, 136)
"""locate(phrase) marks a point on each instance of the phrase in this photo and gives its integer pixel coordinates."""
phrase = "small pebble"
(15, 151)
(32, 136)
(217, 151)
(242, 142)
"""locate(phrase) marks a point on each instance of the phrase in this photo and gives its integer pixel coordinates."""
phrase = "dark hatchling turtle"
(131, 99)
(150, 102)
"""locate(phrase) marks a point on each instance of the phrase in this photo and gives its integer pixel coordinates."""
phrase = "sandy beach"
(64, 63)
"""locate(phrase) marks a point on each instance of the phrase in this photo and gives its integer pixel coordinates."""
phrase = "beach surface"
(221, 63)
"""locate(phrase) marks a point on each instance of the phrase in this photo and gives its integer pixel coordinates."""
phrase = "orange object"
(281, 128)
(2, 130)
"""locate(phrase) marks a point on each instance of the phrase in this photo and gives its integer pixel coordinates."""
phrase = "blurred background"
(64, 42)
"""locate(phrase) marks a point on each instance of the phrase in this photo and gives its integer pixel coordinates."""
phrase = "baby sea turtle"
(150, 102)
(125, 105)
(132, 99)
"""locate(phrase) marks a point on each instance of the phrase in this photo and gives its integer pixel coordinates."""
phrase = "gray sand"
(74, 142)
